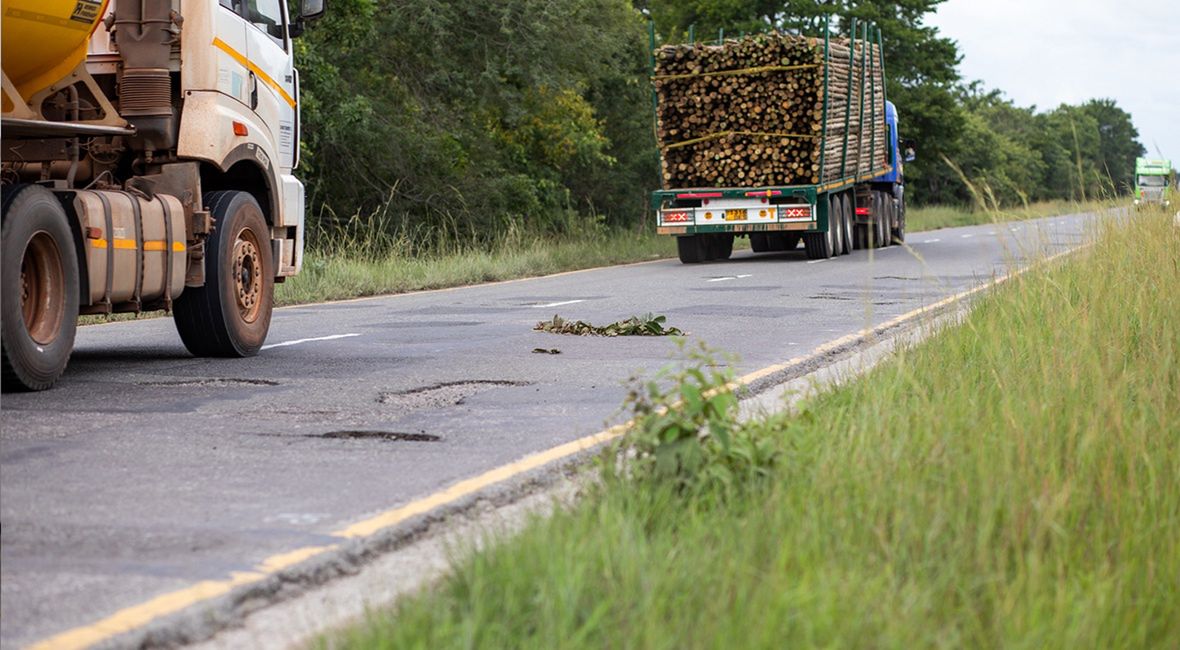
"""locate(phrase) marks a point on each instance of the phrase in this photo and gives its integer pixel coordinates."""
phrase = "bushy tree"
(479, 116)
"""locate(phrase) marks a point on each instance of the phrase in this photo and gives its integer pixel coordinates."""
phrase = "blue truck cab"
(892, 182)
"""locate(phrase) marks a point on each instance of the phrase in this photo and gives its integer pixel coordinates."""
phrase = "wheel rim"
(42, 289)
(248, 275)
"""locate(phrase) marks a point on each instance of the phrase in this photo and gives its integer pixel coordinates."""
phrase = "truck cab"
(1154, 180)
(149, 149)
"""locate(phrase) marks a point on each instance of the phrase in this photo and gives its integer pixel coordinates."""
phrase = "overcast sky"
(1048, 52)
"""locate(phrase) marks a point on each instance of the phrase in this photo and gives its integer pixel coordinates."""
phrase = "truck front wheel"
(230, 315)
(40, 288)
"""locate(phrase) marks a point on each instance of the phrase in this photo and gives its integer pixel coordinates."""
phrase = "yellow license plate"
(735, 215)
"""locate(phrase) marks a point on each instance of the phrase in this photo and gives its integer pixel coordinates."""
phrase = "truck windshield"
(1152, 181)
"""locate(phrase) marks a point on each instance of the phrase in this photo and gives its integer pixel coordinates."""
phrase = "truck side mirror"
(309, 10)
(312, 9)
(909, 150)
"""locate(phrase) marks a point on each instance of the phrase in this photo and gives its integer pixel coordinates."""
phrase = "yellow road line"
(138, 616)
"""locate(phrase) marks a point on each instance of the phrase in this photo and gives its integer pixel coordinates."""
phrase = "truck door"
(229, 32)
(272, 73)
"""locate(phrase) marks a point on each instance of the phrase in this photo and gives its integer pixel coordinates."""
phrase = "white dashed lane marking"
(558, 304)
(332, 337)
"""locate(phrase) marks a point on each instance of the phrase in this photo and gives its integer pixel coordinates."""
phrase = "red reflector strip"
(676, 217)
(765, 193)
(700, 195)
(862, 212)
(795, 213)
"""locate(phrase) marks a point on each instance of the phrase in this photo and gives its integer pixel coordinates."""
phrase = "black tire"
(720, 246)
(759, 242)
(860, 236)
(874, 226)
(899, 213)
(838, 234)
(881, 219)
(846, 212)
(691, 249)
(822, 245)
(230, 315)
(39, 289)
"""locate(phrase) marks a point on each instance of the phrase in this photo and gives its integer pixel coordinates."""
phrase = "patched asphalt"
(147, 470)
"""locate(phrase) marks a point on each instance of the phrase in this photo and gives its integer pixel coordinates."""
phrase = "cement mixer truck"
(146, 164)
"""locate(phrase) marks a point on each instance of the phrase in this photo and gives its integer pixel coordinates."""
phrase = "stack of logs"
(749, 112)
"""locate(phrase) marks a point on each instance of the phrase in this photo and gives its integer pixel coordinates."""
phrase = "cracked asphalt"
(147, 470)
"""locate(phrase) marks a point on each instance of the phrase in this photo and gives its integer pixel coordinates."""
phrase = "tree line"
(467, 119)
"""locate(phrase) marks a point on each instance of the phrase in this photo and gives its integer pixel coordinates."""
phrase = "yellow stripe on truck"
(129, 244)
(249, 65)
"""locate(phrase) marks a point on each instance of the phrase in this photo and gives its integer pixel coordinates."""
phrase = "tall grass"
(1013, 481)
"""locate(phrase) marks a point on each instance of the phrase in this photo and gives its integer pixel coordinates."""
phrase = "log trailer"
(148, 149)
(858, 198)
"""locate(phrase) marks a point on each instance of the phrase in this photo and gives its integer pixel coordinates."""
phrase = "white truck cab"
(148, 156)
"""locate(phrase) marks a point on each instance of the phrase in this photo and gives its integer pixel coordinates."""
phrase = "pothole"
(450, 393)
(208, 382)
(391, 436)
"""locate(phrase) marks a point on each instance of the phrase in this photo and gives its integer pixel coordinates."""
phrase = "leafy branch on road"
(646, 325)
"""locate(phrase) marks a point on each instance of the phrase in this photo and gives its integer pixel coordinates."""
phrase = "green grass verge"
(1011, 482)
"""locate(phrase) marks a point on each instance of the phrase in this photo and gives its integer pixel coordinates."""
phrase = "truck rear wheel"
(822, 245)
(720, 246)
(230, 315)
(759, 242)
(881, 218)
(691, 249)
(40, 288)
(899, 213)
(846, 214)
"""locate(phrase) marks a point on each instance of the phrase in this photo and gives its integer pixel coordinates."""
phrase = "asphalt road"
(146, 470)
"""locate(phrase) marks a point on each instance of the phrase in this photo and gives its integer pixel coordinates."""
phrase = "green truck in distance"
(1154, 180)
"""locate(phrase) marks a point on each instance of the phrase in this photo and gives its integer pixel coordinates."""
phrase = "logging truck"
(147, 157)
(780, 139)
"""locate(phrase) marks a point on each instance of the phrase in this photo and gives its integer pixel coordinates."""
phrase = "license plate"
(735, 215)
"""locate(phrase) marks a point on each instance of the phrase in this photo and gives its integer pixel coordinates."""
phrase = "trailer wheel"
(720, 246)
(40, 288)
(230, 315)
(860, 236)
(899, 211)
(881, 219)
(759, 242)
(691, 249)
(846, 214)
(873, 227)
(822, 245)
